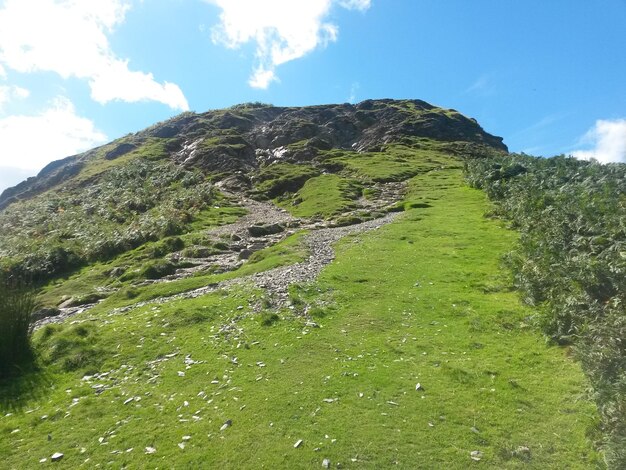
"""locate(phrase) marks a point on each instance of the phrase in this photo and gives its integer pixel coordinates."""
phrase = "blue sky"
(548, 76)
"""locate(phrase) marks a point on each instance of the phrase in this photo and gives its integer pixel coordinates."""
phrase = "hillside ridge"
(243, 137)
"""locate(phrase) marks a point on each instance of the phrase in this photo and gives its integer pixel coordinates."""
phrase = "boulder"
(263, 230)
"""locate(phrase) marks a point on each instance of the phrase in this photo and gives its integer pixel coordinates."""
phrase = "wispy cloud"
(70, 38)
(30, 142)
(608, 141)
(9, 93)
(354, 88)
(282, 30)
(483, 85)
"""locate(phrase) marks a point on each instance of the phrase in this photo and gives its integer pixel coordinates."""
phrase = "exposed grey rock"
(56, 456)
(245, 254)
(226, 425)
(522, 452)
(263, 230)
(326, 463)
(44, 313)
(298, 443)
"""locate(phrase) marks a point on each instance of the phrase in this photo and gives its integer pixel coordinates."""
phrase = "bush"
(17, 303)
(159, 269)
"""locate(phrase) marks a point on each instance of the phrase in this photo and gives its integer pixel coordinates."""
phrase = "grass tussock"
(17, 302)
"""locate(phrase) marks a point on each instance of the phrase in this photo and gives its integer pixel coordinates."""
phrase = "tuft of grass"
(17, 303)
(268, 318)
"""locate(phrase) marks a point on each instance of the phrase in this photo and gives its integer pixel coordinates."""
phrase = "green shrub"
(269, 318)
(17, 303)
(159, 269)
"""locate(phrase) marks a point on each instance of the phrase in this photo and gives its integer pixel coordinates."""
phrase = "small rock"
(150, 450)
(419, 387)
(44, 460)
(181, 374)
(326, 463)
(181, 445)
(56, 456)
(298, 443)
(522, 452)
(475, 430)
(127, 401)
(476, 455)
(226, 425)
(186, 438)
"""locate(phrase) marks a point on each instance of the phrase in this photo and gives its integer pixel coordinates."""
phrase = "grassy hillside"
(207, 383)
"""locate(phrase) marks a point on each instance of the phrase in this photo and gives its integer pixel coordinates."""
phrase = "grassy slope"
(323, 196)
(420, 300)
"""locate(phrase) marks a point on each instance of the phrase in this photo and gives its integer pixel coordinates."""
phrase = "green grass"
(323, 196)
(395, 163)
(422, 300)
(279, 178)
(152, 149)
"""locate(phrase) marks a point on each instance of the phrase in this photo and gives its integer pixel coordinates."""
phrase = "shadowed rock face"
(241, 138)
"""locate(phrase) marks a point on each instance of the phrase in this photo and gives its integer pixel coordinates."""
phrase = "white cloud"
(609, 141)
(354, 88)
(3, 73)
(30, 142)
(69, 37)
(283, 30)
(9, 92)
(12, 176)
(355, 4)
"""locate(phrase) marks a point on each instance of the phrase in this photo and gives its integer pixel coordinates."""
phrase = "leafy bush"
(571, 262)
(17, 303)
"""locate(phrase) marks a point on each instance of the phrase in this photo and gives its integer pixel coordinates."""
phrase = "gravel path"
(276, 281)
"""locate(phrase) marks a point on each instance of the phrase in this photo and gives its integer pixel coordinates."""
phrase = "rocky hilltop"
(246, 137)
(163, 190)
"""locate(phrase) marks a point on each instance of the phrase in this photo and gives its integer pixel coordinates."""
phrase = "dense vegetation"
(124, 208)
(17, 302)
(571, 261)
